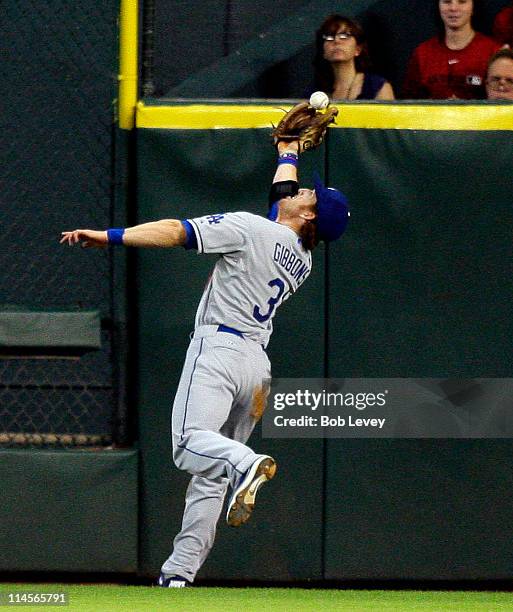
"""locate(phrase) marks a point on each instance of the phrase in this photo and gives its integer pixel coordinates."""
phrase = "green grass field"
(204, 599)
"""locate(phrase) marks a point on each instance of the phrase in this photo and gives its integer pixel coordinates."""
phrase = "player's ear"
(308, 215)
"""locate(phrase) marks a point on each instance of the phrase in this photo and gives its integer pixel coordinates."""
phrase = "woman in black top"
(342, 62)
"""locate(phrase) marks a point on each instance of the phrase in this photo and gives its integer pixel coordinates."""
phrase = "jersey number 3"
(261, 318)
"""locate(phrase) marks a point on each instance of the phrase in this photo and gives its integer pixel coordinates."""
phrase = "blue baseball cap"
(332, 211)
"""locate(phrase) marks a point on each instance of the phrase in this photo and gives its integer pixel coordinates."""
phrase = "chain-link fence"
(58, 83)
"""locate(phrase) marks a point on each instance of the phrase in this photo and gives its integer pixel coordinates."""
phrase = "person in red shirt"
(453, 64)
(503, 26)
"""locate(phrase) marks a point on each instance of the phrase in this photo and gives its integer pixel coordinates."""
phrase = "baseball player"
(263, 261)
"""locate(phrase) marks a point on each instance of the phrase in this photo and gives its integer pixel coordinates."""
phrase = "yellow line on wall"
(378, 116)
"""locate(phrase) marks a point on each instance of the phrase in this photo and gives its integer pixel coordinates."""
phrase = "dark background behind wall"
(265, 49)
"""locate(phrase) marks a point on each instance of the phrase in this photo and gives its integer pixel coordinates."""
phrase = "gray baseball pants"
(213, 416)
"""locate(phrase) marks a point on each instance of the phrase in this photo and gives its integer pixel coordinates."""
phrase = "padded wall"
(418, 287)
(421, 287)
(68, 510)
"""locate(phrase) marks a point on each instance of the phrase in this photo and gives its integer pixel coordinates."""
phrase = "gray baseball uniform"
(262, 263)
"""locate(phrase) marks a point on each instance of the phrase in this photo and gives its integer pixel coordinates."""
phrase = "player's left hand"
(305, 124)
(86, 238)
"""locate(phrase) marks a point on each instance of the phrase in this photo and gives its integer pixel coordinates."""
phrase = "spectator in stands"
(499, 78)
(342, 63)
(452, 64)
(503, 26)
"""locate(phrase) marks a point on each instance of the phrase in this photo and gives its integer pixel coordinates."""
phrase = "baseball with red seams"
(319, 100)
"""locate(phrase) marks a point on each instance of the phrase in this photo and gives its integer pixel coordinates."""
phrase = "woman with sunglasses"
(342, 63)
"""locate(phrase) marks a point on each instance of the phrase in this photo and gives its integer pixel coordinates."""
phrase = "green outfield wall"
(418, 287)
(69, 510)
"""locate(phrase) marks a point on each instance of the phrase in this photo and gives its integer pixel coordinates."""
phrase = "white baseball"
(319, 100)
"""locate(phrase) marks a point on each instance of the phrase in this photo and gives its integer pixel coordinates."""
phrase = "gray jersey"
(262, 263)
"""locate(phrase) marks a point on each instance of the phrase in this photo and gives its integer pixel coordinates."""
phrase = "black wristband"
(282, 189)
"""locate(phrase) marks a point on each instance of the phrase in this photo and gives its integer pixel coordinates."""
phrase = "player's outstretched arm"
(165, 233)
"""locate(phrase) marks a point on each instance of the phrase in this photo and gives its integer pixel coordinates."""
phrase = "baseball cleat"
(172, 582)
(243, 497)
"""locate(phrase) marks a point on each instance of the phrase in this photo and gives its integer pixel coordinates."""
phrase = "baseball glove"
(305, 124)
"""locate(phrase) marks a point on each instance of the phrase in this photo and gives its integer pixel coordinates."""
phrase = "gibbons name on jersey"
(292, 264)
